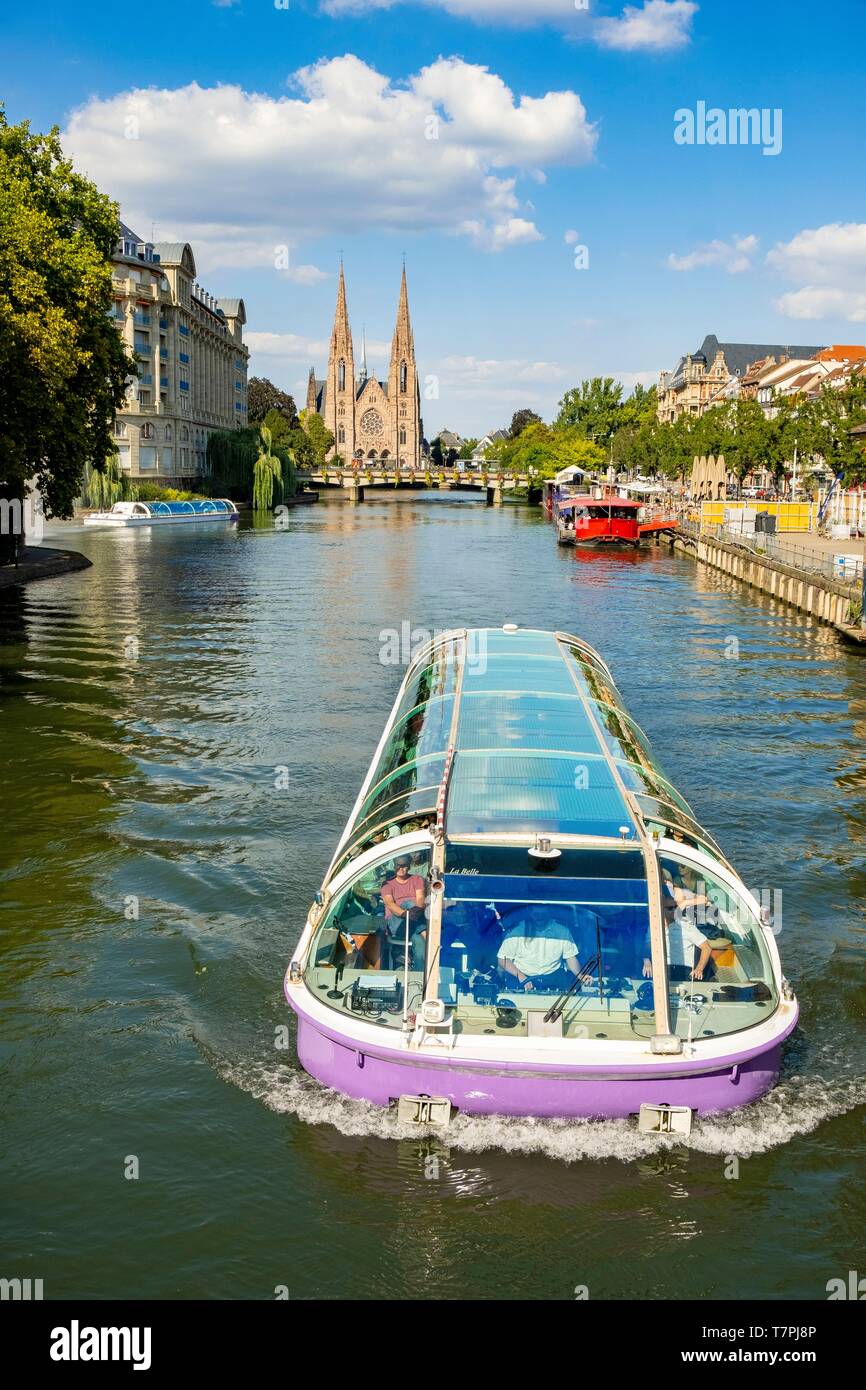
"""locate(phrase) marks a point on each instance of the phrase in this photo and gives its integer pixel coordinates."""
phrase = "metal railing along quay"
(781, 550)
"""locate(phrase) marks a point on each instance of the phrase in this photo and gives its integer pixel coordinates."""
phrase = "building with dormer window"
(192, 362)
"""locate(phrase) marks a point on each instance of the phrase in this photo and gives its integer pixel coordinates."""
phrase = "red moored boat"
(598, 521)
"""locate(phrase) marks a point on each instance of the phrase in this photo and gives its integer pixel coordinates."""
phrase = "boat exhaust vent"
(543, 851)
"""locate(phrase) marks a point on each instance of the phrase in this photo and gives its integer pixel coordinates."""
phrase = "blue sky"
(489, 140)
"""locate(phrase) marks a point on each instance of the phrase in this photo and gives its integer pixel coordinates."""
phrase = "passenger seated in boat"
(683, 939)
(472, 932)
(360, 928)
(538, 949)
(406, 892)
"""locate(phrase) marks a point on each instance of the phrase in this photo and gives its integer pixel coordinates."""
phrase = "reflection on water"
(156, 878)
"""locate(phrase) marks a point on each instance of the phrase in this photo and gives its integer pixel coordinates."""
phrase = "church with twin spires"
(378, 421)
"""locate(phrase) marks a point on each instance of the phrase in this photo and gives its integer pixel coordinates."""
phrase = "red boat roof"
(584, 500)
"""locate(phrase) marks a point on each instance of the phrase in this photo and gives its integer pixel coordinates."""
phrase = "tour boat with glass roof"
(523, 915)
(156, 513)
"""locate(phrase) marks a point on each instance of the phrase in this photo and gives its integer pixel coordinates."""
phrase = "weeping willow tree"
(267, 473)
(104, 486)
(237, 470)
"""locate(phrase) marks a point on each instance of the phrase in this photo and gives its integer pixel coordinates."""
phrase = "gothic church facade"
(377, 421)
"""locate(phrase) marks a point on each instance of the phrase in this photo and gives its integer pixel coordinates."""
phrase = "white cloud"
(733, 256)
(514, 231)
(659, 26)
(830, 254)
(821, 302)
(286, 345)
(831, 260)
(237, 173)
(522, 12)
(468, 373)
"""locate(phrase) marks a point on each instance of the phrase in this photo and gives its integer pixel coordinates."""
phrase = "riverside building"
(192, 376)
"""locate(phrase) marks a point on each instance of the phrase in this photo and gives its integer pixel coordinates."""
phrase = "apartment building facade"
(192, 362)
(713, 373)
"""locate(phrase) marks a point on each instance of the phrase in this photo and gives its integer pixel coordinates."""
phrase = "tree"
(320, 437)
(263, 396)
(745, 436)
(63, 364)
(267, 473)
(232, 459)
(641, 407)
(547, 451)
(594, 408)
(637, 448)
(520, 419)
(436, 453)
(823, 429)
(104, 486)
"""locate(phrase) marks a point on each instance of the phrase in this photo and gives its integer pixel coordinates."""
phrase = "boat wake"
(798, 1106)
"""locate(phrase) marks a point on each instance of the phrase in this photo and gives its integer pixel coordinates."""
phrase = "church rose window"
(371, 422)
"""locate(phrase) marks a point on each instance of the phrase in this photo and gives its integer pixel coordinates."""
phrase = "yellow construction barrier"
(791, 516)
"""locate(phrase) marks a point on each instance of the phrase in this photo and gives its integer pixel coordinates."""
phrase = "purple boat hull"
(515, 1088)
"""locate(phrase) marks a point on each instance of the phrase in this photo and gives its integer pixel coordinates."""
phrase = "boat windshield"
(531, 949)
(358, 959)
(719, 971)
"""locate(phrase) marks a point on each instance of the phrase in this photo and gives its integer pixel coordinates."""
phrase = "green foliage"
(519, 421)
(232, 458)
(547, 451)
(594, 409)
(63, 364)
(263, 397)
(267, 473)
(320, 437)
(152, 492)
(103, 486)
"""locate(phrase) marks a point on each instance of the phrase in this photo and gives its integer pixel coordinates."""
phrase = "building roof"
(233, 309)
(738, 356)
(175, 253)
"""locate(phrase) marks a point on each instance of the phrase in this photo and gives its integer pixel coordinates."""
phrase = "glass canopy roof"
(542, 744)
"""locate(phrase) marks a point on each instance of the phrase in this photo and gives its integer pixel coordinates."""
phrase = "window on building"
(147, 431)
(120, 429)
(341, 376)
(168, 433)
(402, 376)
(402, 434)
(341, 434)
(184, 433)
(144, 398)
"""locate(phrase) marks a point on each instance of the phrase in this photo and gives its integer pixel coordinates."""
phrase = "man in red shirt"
(406, 892)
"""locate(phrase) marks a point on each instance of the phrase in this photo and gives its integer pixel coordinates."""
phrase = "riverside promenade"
(41, 562)
(796, 568)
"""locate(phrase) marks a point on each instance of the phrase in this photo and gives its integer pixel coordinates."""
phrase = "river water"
(158, 865)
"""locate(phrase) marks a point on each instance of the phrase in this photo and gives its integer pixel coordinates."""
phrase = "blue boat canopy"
(540, 742)
(207, 506)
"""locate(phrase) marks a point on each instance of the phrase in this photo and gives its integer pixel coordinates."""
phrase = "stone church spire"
(339, 411)
(312, 392)
(403, 391)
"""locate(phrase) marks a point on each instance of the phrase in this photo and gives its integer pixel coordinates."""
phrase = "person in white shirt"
(537, 948)
(683, 939)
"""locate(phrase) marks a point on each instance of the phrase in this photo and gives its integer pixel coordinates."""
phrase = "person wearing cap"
(406, 893)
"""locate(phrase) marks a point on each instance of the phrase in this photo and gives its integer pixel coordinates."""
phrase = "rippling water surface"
(155, 881)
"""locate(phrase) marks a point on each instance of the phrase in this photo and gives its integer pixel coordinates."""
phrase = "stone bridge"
(488, 481)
